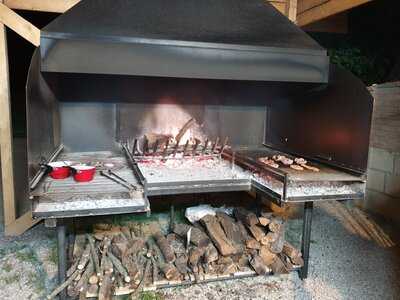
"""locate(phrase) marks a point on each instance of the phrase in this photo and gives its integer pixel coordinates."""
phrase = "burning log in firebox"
(124, 260)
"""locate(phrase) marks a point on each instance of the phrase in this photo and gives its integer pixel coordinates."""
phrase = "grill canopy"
(225, 39)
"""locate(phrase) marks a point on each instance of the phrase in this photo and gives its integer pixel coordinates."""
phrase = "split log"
(269, 238)
(165, 247)
(63, 285)
(195, 255)
(226, 265)
(246, 217)
(263, 221)
(275, 224)
(232, 231)
(278, 267)
(143, 280)
(94, 254)
(258, 265)
(181, 265)
(257, 232)
(217, 235)
(119, 267)
(250, 242)
(84, 258)
(198, 237)
(267, 256)
(276, 246)
(210, 254)
(253, 244)
(293, 254)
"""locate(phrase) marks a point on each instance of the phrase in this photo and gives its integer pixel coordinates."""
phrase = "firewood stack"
(123, 260)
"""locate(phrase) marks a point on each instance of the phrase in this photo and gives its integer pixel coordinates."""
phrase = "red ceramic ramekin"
(59, 169)
(83, 173)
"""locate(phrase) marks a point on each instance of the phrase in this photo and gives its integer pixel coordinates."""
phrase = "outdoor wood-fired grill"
(108, 74)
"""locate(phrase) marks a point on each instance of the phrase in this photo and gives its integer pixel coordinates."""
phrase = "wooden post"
(6, 140)
(13, 225)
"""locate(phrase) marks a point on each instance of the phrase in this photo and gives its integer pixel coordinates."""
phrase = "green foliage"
(369, 67)
(150, 296)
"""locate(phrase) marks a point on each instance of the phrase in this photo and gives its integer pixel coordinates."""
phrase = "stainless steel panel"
(88, 126)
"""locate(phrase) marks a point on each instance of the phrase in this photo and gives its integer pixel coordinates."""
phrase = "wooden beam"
(20, 225)
(303, 5)
(21, 26)
(56, 6)
(6, 153)
(291, 10)
(326, 9)
(334, 24)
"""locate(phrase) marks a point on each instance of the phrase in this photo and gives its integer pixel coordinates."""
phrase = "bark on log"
(106, 288)
(93, 251)
(257, 232)
(198, 237)
(63, 285)
(210, 254)
(275, 224)
(84, 259)
(278, 267)
(83, 281)
(168, 269)
(232, 231)
(165, 247)
(217, 235)
(277, 245)
(79, 245)
(72, 269)
(267, 256)
(246, 217)
(119, 267)
(258, 265)
(250, 242)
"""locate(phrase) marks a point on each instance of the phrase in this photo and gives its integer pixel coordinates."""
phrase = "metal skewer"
(215, 145)
(205, 147)
(134, 147)
(195, 147)
(185, 148)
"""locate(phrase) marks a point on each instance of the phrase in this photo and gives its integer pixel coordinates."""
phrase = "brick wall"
(383, 185)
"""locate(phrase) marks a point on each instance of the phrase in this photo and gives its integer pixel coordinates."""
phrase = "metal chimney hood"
(207, 39)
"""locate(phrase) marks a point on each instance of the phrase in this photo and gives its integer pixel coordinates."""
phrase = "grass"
(53, 255)
(150, 296)
(7, 267)
(11, 279)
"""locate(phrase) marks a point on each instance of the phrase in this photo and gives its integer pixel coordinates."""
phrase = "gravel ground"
(342, 266)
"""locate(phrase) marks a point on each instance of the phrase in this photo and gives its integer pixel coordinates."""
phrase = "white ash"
(314, 188)
(190, 169)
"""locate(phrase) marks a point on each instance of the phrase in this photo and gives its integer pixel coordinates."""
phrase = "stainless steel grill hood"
(207, 39)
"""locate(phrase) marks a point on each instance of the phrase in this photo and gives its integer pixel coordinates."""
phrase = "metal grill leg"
(62, 256)
(306, 238)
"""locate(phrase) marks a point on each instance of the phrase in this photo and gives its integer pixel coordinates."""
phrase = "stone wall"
(383, 185)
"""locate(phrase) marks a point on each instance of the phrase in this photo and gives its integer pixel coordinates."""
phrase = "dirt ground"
(343, 265)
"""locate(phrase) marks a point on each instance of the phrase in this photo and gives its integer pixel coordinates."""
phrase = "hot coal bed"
(240, 101)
